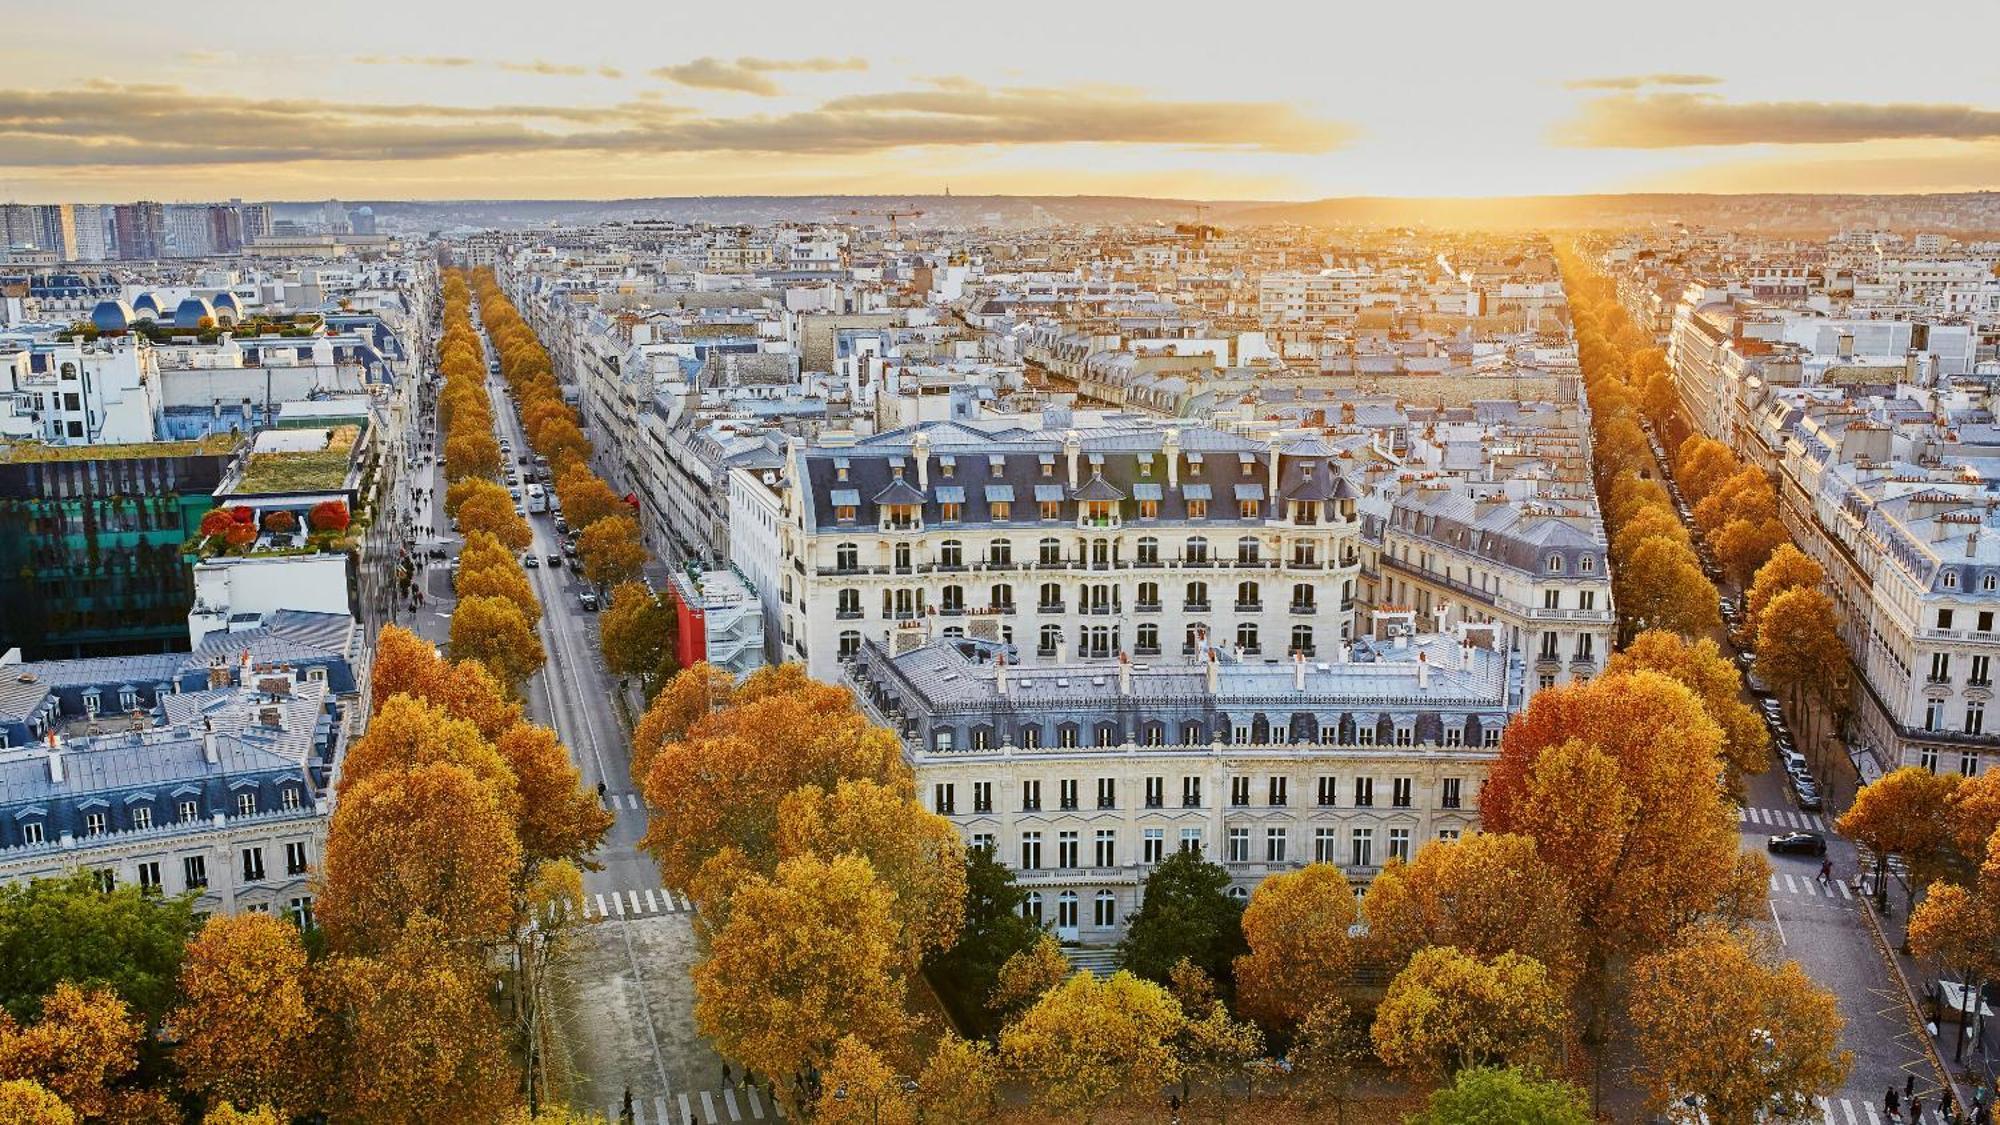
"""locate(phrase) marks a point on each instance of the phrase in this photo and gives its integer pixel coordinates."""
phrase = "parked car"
(1796, 843)
(523, 459)
(530, 561)
(1728, 609)
(569, 547)
(1807, 794)
(1746, 660)
(587, 600)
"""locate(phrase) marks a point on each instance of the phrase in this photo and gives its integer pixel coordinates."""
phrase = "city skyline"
(451, 103)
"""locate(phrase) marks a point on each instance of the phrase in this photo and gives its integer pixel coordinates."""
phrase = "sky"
(1253, 99)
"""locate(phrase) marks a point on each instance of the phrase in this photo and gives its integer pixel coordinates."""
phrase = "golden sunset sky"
(1245, 100)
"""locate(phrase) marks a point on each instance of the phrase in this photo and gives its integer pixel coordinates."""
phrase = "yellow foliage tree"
(1448, 1010)
(960, 1083)
(506, 580)
(24, 1101)
(84, 1044)
(1089, 1044)
(1907, 814)
(407, 733)
(1661, 586)
(228, 1114)
(858, 1088)
(406, 664)
(915, 853)
(1750, 1040)
(494, 632)
(1788, 568)
(559, 818)
(1300, 957)
(1025, 976)
(1486, 894)
(1702, 669)
(611, 551)
(244, 1032)
(586, 498)
(691, 696)
(491, 510)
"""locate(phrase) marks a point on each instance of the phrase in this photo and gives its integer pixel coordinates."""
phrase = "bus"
(538, 498)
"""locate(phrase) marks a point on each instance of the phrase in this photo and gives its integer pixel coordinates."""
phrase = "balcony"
(1196, 607)
(1249, 607)
(1305, 608)
(1098, 610)
(1146, 607)
(848, 615)
(1049, 607)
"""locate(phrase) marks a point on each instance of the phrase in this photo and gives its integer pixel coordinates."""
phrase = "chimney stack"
(1000, 673)
(1214, 673)
(1298, 671)
(920, 450)
(1072, 449)
(210, 753)
(1170, 448)
(1423, 671)
(55, 762)
(1124, 674)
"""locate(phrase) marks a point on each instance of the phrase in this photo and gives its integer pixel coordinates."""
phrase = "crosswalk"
(1782, 818)
(703, 1107)
(616, 801)
(1809, 886)
(634, 904)
(1859, 1110)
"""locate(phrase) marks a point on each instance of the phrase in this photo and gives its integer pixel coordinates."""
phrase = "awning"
(1249, 492)
(1247, 458)
(1194, 491)
(1194, 458)
(1047, 492)
(846, 498)
(1145, 491)
(950, 494)
(1048, 458)
(999, 494)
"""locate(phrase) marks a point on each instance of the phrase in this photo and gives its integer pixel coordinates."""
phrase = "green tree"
(993, 931)
(56, 930)
(1488, 1095)
(1186, 913)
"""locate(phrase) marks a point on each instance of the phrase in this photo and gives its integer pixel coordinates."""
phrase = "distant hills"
(1972, 211)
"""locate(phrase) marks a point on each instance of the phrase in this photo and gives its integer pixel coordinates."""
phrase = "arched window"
(1051, 551)
(1149, 596)
(1191, 734)
(1303, 597)
(1197, 550)
(1031, 907)
(1051, 596)
(1149, 550)
(951, 552)
(1000, 552)
(1240, 894)
(847, 602)
(952, 599)
(1104, 913)
(1302, 639)
(1247, 549)
(1246, 636)
(1197, 596)
(1002, 597)
(1066, 910)
(1149, 639)
(1051, 640)
(1100, 552)
(1249, 596)
(850, 643)
(847, 556)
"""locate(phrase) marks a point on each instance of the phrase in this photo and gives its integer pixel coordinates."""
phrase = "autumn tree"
(611, 551)
(1798, 644)
(1647, 523)
(1185, 912)
(406, 664)
(471, 451)
(491, 510)
(494, 632)
(965, 974)
(1700, 667)
(1486, 894)
(692, 695)
(1328, 1050)
(917, 854)
(1296, 926)
(1214, 1047)
(636, 632)
(1448, 1010)
(1662, 587)
(507, 581)
(1487, 1095)
(429, 841)
(1090, 1044)
(807, 956)
(960, 1082)
(24, 1101)
(1701, 465)
(1906, 814)
(1788, 568)
(1960, 929)
(225, 1113)
(416, 1034)
(1028, 974)
(83, 1045)
(858, 1088)
(245, 1030)
(559, 818)
(720, 786)
(586, 498)
(1749, 1039)
(407, 733)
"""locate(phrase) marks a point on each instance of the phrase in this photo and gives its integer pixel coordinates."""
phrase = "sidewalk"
(1964, 1064)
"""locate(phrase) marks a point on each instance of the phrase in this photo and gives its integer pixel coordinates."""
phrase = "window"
(1944, 619)
(1148, 597)
(301, 910)
(1197, 597)
(1066, 910)
(1049, 551)
(1107, 792)
(1277, 791)
(1399, 844)
(1361, 850)
(1400, 790)
(1066, 736)
(1364, 792)
(1031, 796)
(941, 739)
(1197, 550)
(983, 841)
(246, 804)
(1031, 737)
(1323, 845)
(944, 798)
(1246, 636)
(951, 599)
(1031, 907)
(194, 872)
(843, 513)
(1968, 763)
(95, 823)
(32, 833)
(1238, 846)
(1031, 851)
(1275, 840)
(1249, 597)
(850, 643)
(1000, 510)
(1927, 758)
(951, 552)
(1302, 640)
(1448, 834)
(1066, 792)
(1197, 509)
(149, 875)
(1989, 582)
(1986, 617)
(1555, 564)
(1105, 853)
(1934, 714)
(1000, 552)
(1066, 849)
(1190, 792)
(1552, 599)
(1450, 797)
(982, 796)
(142, 818)
(1148, 640)
(1586, 599)
(847, 603)
(948, 512)
(1328, 787)
(1051, 509)
(295, 858)
(1156, 792)
(1981, 673)
(1153, 844)
(1247, 550)
(1239, 792)
(288, 798)
(1940, 667)
(106, 880)
(1975, 717)
(1105, 911)
(1305, 554)
(1586, 563)
(1191, 840)
(1247, 509)
(253, 865)
(846, 556)
(1951, 580)
(1149, 551)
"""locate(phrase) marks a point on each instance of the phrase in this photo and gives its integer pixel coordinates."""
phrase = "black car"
(1796, 843)
(555, 558)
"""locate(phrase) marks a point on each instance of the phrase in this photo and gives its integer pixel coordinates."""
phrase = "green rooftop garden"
(320, 470)
(29, 452)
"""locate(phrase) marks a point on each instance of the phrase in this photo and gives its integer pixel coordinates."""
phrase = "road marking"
(1826, 1111)
(601, 912)
(650, 906)
(1873, 1118)
(1847, 1108)
(1790, 885)
(617, 905)
(708, 1109)
(1777, 921)
(635, 901)
(756, 1105)
(687, 1114)
(729, 1103)
(684, 903)
(660, 1108)
(1841, 885)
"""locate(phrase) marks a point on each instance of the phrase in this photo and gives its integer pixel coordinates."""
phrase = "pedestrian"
(725, 1075)
(1910, 1085)
(1826, 873)
(1890, 1102)
(1916, 1110)
(749, 1080)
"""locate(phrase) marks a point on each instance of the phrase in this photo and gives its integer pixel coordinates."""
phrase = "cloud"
(449, 62)
(812, 66)
(540, 67)
(105, 124)
(459, 62)
(1640, 81)
(1687, 120)
(715, 74)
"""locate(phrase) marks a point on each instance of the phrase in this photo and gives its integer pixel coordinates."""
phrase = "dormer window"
(947, 466)
(288, 798)
(1145, 466)
(1249, 468)
(92, 702)
(1587, 563)
(1950, 583)
(1555, 564)
(844, 513)
(1989, 582)
(840, 470)
(246, 804)
(1048, 468)
(999, 468)
(94, 823)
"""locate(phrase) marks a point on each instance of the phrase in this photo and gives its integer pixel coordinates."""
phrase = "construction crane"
(893, 216)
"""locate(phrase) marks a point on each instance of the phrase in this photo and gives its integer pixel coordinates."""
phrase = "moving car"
(587, 600)
(1796, 843)
(569, 547)
(555, 558)
(530, 561)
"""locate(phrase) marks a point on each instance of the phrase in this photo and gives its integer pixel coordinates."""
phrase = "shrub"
(280, 522)
(329, 515)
